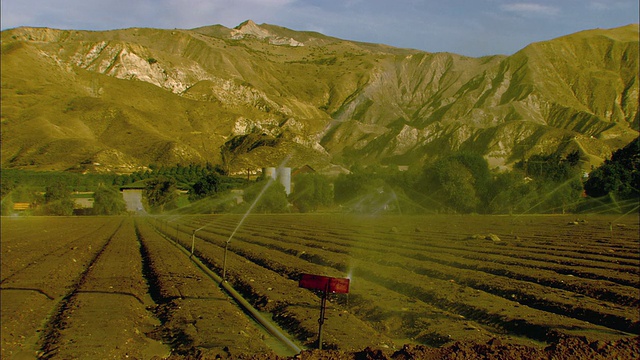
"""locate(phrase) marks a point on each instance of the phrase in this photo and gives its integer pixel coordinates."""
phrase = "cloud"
(110, 14)
(473, 28)
(608, 5)
(530, 9)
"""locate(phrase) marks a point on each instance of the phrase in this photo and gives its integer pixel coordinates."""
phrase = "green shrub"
(108, 201)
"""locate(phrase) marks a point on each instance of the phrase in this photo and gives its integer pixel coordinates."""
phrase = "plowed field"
(111, 287)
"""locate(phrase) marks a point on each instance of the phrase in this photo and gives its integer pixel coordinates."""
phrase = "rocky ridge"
(250, 28)
(183, 94)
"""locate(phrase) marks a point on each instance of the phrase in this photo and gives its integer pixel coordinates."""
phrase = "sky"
(465, 27)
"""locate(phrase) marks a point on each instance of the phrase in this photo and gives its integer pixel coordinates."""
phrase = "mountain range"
(263, 95)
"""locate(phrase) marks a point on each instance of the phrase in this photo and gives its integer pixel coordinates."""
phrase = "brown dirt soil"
(198, 318)
(568, 348)
(422, 287)
(43, 261)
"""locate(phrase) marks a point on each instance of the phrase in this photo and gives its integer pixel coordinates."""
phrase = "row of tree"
(458, 183)
(57, 199)
(184, 175)
(464, 183)
(49, 193)
(618, 177)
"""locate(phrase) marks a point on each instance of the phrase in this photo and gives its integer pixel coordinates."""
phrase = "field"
(115, 287)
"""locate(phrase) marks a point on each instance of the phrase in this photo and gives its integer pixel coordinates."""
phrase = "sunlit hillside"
(121, 100)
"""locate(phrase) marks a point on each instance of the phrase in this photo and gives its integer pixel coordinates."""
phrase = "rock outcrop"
(166, 96)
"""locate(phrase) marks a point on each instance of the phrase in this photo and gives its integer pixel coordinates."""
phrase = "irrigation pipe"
(240, 300)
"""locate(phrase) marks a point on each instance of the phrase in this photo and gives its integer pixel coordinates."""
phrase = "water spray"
(193, 241)
(264, 189)
(226, 246)
(635, 209)
(166, 229)
(193, 238)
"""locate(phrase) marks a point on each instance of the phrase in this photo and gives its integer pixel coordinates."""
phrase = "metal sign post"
(326, 285)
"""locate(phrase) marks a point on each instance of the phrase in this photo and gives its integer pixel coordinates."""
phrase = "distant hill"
(256, 95)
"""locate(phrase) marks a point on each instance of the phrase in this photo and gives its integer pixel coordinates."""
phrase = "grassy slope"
(62, 104)
(573, 93)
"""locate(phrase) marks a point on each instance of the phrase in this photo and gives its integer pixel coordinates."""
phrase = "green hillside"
(120, 100)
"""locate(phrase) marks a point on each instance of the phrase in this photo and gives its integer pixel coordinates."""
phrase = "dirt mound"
(564, 348)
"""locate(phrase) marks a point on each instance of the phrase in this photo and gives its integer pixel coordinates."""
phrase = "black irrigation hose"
(239, 299)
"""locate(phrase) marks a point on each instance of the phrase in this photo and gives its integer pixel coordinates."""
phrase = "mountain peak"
(247, 22)
(250, 28)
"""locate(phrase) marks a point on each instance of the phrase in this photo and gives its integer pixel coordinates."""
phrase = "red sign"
(324, 283)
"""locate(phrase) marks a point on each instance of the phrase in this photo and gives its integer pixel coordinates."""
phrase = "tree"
(56, 191)
(573, 158)
(6, 189)
(479, 168)
(208, 185)
(354, 186)
(108, 201)
(459, 182)
(456, 186)
(6, 206)
(57, 200)
(311, 191)
(551, 168)
(555, 184)
(160, 193)
(618, 176)
(563, 197)
(269, 197)
(510, 192)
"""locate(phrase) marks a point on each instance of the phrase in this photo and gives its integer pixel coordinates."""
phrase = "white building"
(281, 174)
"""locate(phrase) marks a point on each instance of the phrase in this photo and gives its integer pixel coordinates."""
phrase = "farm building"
(133, 198)
(132, 195)
(82, 202)
(281, 174)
